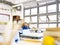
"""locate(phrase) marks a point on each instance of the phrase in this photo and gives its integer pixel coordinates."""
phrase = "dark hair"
(24, 24)
(16, 18)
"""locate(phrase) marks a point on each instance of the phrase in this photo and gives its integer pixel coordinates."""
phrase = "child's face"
(26, 24)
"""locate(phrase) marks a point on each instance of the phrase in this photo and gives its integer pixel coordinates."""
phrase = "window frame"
(45, 14)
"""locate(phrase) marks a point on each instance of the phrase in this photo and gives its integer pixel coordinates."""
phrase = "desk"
(36, 37)
(32, 35)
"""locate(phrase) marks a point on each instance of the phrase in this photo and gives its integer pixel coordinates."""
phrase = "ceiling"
(34, 3)
(6, 2)
(12, 2)
(18, 1)
(24, 1)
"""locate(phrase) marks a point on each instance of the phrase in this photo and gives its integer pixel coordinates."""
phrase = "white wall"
(5, 9)
(5, 6)
(20, 13)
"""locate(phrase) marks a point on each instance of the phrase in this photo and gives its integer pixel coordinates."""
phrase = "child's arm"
(9, 34)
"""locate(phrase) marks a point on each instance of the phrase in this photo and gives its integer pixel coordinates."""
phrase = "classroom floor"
(27, 43)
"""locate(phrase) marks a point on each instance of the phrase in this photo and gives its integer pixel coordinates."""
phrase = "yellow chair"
(48, 40)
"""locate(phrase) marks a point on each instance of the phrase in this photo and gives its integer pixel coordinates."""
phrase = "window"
(43, 25)
(33, 11)
(27, 12)
(42, 9)
(47, 16)
(52, 8)
(52, 25)
(27, 19)
(59, 18)
(33, 25)
(59, 6)
(42, 19)
(52, 18)
(34, 19)
(59, 25)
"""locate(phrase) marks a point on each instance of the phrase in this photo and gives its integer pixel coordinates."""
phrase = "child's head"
(26, 24)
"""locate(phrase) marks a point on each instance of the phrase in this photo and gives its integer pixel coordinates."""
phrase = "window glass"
(43, 25)
(33, 11)
(59, 18)
(27, 19)
(34, 19)
(42, 9)
(52, 25)
(52, 18)
(59, 25)
(59, 6)
(42, 19)
(27, 12)
(52, 8)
